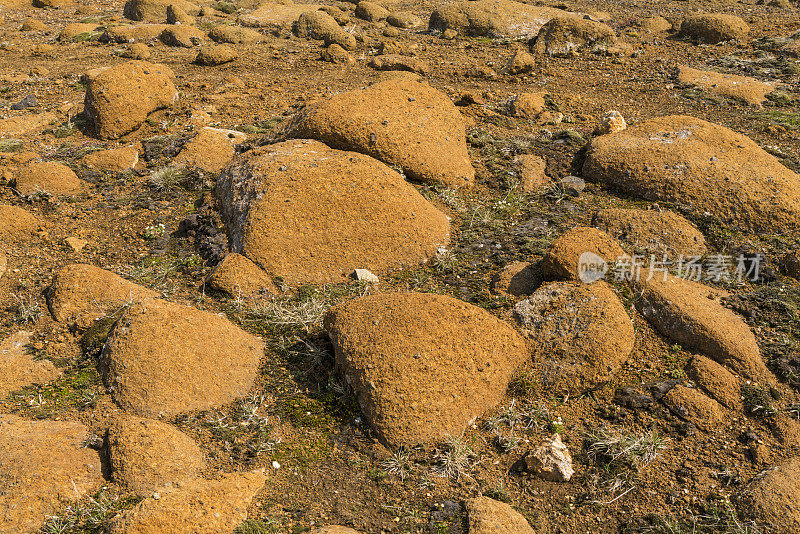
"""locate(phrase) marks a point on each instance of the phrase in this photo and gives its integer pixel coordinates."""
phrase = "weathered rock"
(146, 454)
(18, 368)
(703, 166)
(204, 360)
(213, 55)
(113, 160)
(235, 35)
(488, 516)
(655, 24)
(336, 54)
(714, 27)
(655, 231)
(566, 35)
(26, 124)
(176, 15)
(743, 88)
(138, 51)
(562, 261)
(140, 33)
(404, 19)
(691, 405)
(84, 292)
(397, 62)
(551, 460)
(719, 383)
(531, 172)
(312, 214)
(528, 105)
(320, 25)
(371, 11)
(75, 29)
(48, 177)
(612, 122)
(33, 25)
(422, 365)
(521, 63)
(44, 465)
(691, 314)
(493, 18)
(400, 122)
(772, 497)
(18, 225)
(119, 99)
(239, 277)
(200, 506)
(277, 16)
(580, 334)
(339, 13)
(156, 10)
(210, 150)
(184, 36)
(517, 279)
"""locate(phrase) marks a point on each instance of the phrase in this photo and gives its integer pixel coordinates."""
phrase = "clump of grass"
(455, 459)
(618, 458)
(399, 464)
(225, 7)
(757, 401)
(90, 515)
(168, 179)
(445, 261)
(716, 518)
(28, 311)
(304, 314)
(10, 145)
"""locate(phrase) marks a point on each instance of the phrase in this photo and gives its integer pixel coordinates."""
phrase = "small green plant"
(10, 145)
(445, 261)
(225, 7)
(757, 401)
(556, 426)
(28, 311)
(89, 515)
(153, 232)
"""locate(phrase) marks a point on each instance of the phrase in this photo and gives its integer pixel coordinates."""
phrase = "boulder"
(562, 261)
(312, 214)
(694, 407)
(213, 55)
(75, 29)
(47, 177)
(656, 232)
(200, 507)
(322, 26)
(742, 88)
(580, 334)
(521, 63)
(399, 63)
(18, 368)
(488, 516)
(423, 366)
(119, 99)
(398, 121)
(84, 292)
(718, 383)
(183, 36)
(528, 105)
(705, 167)
(17, 224)
(26, 124)
(278, 16)
(43, 466)
(371, 11)
(530, 171)
(612, 122)
(690, 313)
(146, 454)
(113, 160)
(403, 19)
(714, 27)
(492, 18)
(338, 55)
(156, 10)
(516, 279)
(211, 150)
(235, 35)
(551, 460)
(241, 278)
(136, 34)
(564, 36)
(164, 359)
(772, 497)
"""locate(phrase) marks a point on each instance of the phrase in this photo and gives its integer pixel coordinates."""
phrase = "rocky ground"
(284, 268)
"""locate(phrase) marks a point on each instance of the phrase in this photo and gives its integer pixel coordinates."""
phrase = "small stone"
(572, 185)
(521, 63)
(139, 51)
(337, 55)
(449, 34)
(275, 464)
(27, 102)
(612, 122)
(75, 243)
(531, 172)
(551, 460)
(365, 275)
